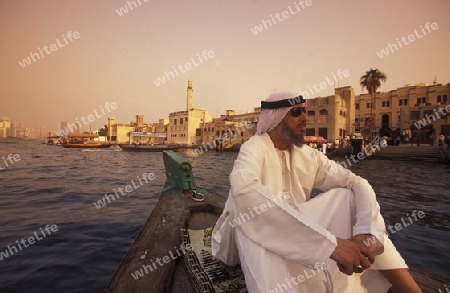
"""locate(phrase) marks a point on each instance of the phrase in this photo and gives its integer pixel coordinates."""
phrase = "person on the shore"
(431, 138)
(441, 140)
(447, 146)
(286, 240)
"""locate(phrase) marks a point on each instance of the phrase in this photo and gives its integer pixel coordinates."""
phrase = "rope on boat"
(197, 196)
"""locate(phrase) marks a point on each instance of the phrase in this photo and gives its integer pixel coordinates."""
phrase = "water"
(57, 186)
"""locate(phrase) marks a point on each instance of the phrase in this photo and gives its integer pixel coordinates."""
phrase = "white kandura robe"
(291, 235)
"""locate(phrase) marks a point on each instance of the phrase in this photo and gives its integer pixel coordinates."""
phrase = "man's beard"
(288, 135)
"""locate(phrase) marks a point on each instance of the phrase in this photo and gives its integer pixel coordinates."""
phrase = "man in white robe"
(287, 241)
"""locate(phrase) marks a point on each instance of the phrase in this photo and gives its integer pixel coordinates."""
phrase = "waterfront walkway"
(411, 152)
(401, 152)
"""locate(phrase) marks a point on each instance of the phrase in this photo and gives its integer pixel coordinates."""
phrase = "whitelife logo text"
(53, 47)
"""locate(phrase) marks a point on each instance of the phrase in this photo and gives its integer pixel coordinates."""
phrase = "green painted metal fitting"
(178, 172)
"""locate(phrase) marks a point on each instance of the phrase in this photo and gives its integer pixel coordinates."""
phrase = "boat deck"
(161, 234)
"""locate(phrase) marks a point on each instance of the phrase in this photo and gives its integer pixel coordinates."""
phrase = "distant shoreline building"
(13, 129)
(5, 125)
(183, 124)
(229, 131)
(394, 113)
(331, 117)
(399, 112)
(137, 132)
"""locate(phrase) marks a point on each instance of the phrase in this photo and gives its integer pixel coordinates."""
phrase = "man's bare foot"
(401, 281)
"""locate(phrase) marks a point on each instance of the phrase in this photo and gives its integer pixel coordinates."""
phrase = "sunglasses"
(297, 111)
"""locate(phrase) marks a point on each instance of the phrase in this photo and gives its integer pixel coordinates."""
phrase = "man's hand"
(352, 257)
(369, 241)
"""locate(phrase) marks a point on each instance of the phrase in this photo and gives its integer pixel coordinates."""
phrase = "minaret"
(189, 95)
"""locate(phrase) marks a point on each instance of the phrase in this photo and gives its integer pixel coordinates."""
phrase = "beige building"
(5, 125)
(331, 117)
(11, 129)
(17, 129)
(64, 128)
(118, 132)
(229, 131)
(395, 113)
(138, 131)
(411, 112)
(183, 124)
(35, 132)
(244, 117)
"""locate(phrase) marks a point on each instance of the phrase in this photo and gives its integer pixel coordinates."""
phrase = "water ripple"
(53, 185)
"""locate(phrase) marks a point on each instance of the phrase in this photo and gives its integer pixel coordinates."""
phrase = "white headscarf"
(270, 118)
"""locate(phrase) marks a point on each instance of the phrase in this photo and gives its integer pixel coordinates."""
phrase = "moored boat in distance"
(53, 140)
(83, 141)
(86, 145)
(314, 139)
(148, 148)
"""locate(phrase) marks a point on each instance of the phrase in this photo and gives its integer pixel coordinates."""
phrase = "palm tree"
(372, 81)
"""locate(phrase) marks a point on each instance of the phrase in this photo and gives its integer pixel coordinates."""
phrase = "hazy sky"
(117, 58)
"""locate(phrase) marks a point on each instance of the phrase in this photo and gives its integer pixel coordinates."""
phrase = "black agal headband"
(283, 103)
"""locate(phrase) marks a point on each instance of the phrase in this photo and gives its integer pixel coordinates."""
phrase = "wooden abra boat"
(53, 140)
(148, 148)
(86, 145)
(182, 206)
(83, 141)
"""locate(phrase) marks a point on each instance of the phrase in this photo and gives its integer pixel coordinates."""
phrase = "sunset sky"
(118, 58)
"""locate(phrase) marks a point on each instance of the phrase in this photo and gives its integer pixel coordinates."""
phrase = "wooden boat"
(232, 147)
(53, 140)
(314, 139)
(179, 207)
(88, 145)
(148, 148)
(83, 141)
